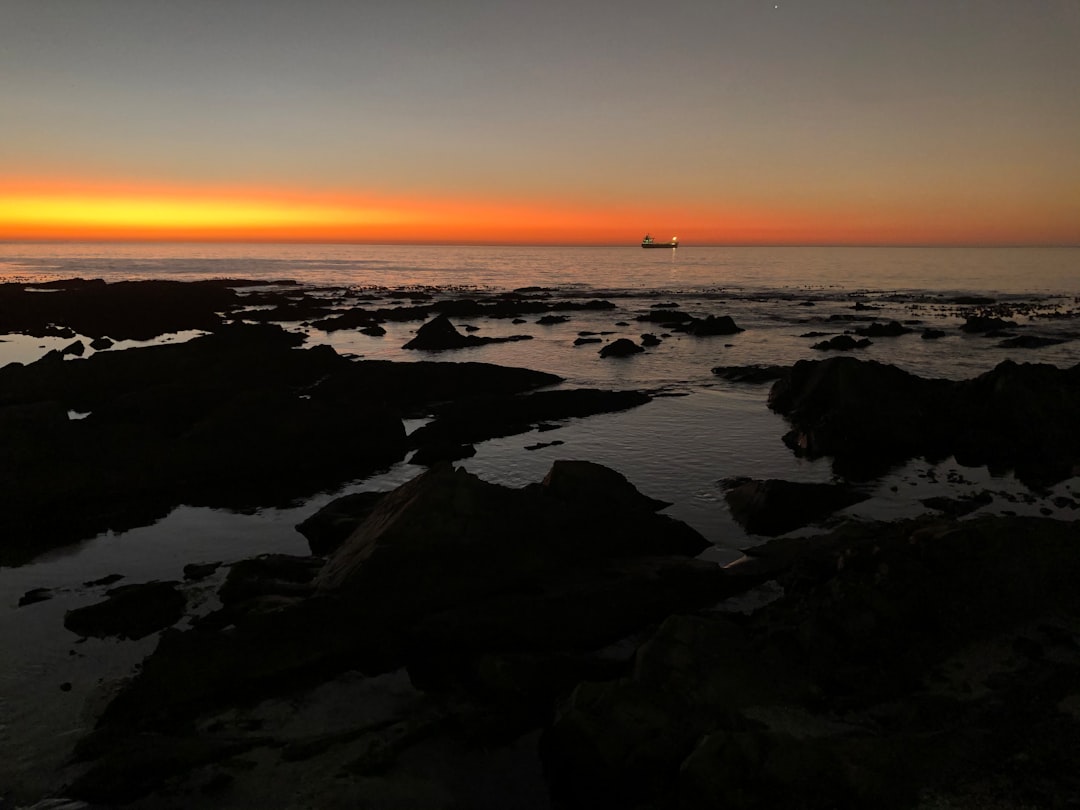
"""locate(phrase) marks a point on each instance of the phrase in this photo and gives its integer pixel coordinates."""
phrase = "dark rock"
(750, 374)
(35, 595)
(199, 571)
(813, 334)
(108, 579)
(932, 334)
(77, 349)
(985, 323)
(548, 320)
(774, 507)
(582, 341)
(101, 344)
(326, 529)
(841, 343)
(958, 507)
(130, 611)
(270, 575)
(439, 334)
(890, 329)
(585, 482)
(665, 316)
(713, 325)
(373, 331)
(623, 347)
(649, 339)
(125, 310)
(888, 667)
(468, 421)
(293, 422)
(868, 416)
(435, 452)
(542, 445)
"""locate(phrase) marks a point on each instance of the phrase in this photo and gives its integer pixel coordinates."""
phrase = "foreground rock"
(919, 664)
(496, 596)
(868, 416)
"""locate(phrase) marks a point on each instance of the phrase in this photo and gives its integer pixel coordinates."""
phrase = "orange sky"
(87, 211)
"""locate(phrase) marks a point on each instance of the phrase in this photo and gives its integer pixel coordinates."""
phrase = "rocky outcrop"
(869, 416)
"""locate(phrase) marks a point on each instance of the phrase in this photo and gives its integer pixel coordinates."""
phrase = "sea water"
(679, 447)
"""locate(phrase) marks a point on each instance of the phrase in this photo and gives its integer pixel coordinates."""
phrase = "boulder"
(623, 347)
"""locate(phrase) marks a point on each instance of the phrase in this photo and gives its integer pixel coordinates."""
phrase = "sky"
(506, 121)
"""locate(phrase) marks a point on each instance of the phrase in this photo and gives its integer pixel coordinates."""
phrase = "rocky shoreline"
(457, 643)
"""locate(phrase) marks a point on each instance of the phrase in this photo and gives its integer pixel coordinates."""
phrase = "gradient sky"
(725, 122)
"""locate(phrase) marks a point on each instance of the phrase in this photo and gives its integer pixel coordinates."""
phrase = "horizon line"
(422, 243)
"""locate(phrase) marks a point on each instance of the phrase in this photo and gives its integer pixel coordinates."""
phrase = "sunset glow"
(48, 212)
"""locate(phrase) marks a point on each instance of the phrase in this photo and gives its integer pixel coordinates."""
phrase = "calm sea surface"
(677, 447)
(984, 270)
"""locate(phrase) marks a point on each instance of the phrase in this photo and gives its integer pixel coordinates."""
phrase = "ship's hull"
(659, 244)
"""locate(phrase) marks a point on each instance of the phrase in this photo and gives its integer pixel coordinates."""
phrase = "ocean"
(679, 447)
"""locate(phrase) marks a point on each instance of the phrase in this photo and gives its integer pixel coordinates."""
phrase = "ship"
(649, 242)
